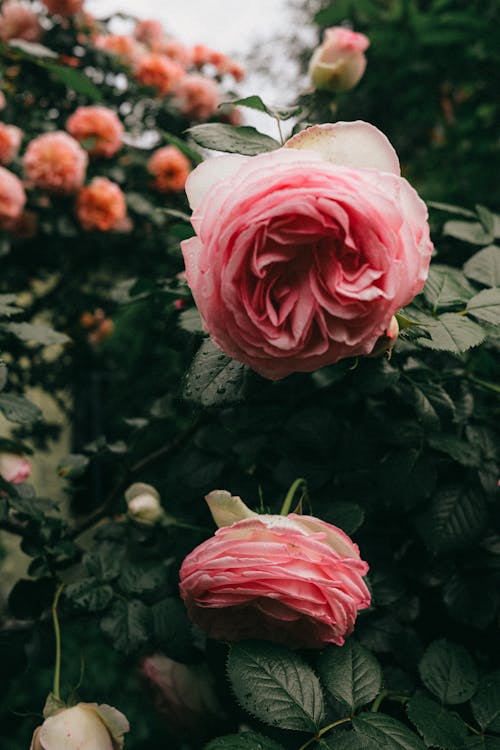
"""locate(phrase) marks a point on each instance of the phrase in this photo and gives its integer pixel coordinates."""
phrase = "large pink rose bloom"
(302, 255)
(291, 579)
(12, 198)
(55, 162)
(98, 128)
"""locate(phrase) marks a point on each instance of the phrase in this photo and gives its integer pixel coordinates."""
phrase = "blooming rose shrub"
(291, 579)
(293, 272)
(170, 169)
(99, 128)
(339, 63)
(86, 725)
(101, 205)
(55, 162)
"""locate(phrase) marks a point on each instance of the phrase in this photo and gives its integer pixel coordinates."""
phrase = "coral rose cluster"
(303, 255)
(292, 579)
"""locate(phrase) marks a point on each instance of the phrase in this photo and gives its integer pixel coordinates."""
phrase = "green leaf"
(471, 600)
(243, 741)
(438, 726)
(446, 286)
(255, 102)
(448, 672)
(235, 140)
(351, 674)
(406, 476)
(105, 561)
(452, 209)
(484, 306)
(432, 402)
(73, 79)
(460, 450)
(276, 686)
(468, 231)
(18, 409)
(37, 333)
(31, 49)
(172, 628)
(483, 743)
(73, 465)
(455, 519)
(144, 577)
(484, 266)
(89, 594)
(486, 703)
(347, 516)
(452, 333)
(214, 379)
(386, 732)
(127, 625)
(190, 320)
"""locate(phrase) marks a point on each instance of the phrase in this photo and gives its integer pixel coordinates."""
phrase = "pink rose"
(184, 695)
(12, 197)
(148, 30)
(339, 63)
(303, 255)
(18, 21)
(125, 48)
(159, 72)
(10, 141)
(14, 467)
(98, 128)
(170, 169)
(291, 579)
(101, 206)
(65, 8)
(55, 162)
(197, 96)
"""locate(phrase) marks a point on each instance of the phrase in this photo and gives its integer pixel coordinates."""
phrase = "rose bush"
(303, 255)
(292, 579)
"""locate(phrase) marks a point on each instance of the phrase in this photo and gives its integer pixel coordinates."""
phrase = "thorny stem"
(57, 636)
(287, 502)
(317, 737)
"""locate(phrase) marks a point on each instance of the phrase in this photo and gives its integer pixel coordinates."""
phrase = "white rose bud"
(14, 467)
(143, 503)
(339, 63)
(86, 725)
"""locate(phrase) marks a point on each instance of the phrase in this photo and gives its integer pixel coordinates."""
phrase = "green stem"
(473, 730)
(378, 700)
(57, 636)
(317, 737)
(485, 384)
(287, 502)
(278, 120)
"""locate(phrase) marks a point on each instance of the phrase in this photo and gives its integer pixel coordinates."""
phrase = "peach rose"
(170, 169)
(84, 726)
(12, 198)
(148, 31)
(173, 49)
(339, 63)
(18, 21)
(101, 205)
(197, 96)
(159, 72)
(65, 8)
(291, 579)
(14, 467)
(184, 695)
(99, 128)
(10, 141)
(303, 255)
(125, 48)
(55, 162)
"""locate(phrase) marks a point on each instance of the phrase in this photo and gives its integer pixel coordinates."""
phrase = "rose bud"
(184, 695)
(143, 503)
(386, 342)
(291, 274)
(339, 63)
(291, 579)
(86, 725)
(14, 467)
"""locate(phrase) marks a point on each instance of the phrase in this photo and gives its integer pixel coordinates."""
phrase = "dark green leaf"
(486, 703)
(105, 561)
(144, 577)
(452, 333)
(484, 266)
(484, 306)
(74, 80)
(351, 674)
(235, 140)
(471, 600)
(243, 741)
(452, 209)
(432, 402)
(172, 629)
(468, 231)
(89, 594)
(347, 516)
(18, 409)
(190, 320)
(72, 466)
(438, 726)
(448, 672)
(455, 519)
(486, 742)
(386, 732)
(255, 102)
(127, 625)
(446, 286)
(214, 379)
(276, 686)
(460, 450)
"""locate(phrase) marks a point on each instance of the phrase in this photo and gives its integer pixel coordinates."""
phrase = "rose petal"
(209, 172)
(351, 144)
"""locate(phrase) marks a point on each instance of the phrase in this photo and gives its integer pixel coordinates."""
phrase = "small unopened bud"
(339, 63)
(14, 467)
(386, 342)
(143, 503)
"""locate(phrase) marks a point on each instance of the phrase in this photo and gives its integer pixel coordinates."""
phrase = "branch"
(12, 527)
